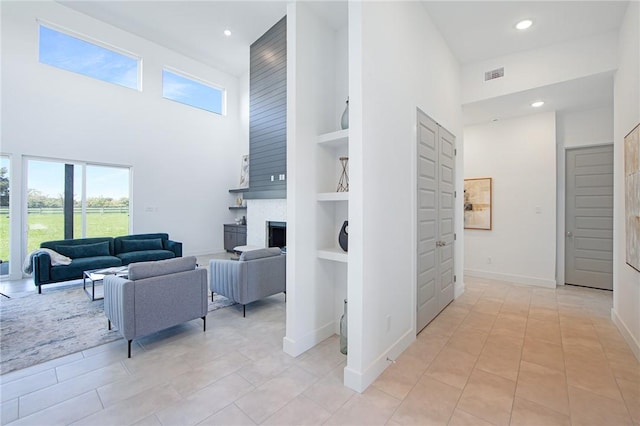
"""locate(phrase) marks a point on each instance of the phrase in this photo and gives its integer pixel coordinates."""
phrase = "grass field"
(50, 226)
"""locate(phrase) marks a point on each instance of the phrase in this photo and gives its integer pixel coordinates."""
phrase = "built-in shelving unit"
(318, 269)
(334, 205)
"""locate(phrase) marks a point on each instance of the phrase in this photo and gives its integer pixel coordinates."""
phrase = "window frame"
(188, 76)
(88, 39)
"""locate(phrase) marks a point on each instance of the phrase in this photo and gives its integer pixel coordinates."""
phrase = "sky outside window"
(190, 92)
(79, 56)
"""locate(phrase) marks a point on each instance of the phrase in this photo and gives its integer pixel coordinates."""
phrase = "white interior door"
(589, 217)
(435, 216)
(427, 297)
(446, 188)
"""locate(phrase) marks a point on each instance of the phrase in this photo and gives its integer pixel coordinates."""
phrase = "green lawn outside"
(50, 226)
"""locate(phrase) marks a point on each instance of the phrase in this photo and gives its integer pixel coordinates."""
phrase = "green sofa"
(101, 252)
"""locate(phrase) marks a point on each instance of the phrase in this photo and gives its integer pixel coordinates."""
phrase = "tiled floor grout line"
(524, 337)
(455, 407)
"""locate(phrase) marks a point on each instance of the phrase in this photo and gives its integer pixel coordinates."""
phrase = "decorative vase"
(344, 121)
(343, 183)
(343, 330)
(343, 236)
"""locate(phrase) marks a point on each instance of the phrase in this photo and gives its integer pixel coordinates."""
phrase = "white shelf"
(333, 196)
(334, 139)
(334, 254)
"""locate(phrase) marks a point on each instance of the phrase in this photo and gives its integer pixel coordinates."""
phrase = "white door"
(446, 188)
(589, 217)
(435, 187)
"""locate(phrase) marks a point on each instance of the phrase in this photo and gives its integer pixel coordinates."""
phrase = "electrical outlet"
(388, 322)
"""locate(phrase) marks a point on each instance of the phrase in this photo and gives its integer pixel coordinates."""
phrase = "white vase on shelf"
(344, 121)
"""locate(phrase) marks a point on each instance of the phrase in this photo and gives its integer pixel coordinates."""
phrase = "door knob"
(569, 234)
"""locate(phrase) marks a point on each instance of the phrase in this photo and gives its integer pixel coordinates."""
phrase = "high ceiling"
(475, 30)
(193, 28)
(478, 30)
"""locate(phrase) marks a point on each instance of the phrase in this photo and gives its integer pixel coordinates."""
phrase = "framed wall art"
(244, 172)
(632, 196)
(477, 204)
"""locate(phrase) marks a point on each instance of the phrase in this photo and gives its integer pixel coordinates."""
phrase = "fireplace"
(277, 234)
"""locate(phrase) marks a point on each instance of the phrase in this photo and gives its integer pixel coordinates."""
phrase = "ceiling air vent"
(493, 74)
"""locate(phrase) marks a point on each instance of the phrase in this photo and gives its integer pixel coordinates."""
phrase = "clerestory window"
(71, 53)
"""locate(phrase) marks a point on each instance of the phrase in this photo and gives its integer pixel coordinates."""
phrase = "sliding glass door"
(75, 200)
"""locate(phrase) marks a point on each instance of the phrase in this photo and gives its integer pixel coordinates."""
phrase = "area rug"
(39, 327)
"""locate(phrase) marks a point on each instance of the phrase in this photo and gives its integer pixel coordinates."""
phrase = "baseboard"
(295, 347)
(359, 381)
(634, 345)
(458, 289)
(520, 279)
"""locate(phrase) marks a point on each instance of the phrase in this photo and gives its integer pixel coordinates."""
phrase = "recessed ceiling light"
(524, 24)
(537, 104)
(227, 33)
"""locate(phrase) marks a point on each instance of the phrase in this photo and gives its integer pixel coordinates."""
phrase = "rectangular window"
(72, 54)
(191, 92)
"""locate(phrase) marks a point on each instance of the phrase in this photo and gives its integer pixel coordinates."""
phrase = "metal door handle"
(440, 243)
(569, 234)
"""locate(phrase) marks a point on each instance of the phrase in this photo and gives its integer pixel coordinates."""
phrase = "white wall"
(398, 62)
(520, 155)
(183, 159)
(593, 126)
(313, 66)
(540, 67)
(626, 281)
(575, 129)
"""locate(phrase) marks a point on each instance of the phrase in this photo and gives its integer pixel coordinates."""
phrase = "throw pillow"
(141, 245)
(84, 250)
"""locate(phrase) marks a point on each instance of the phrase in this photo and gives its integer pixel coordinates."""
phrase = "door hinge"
(455, 194)
(454, 278)
(455, 152)
(454, 237)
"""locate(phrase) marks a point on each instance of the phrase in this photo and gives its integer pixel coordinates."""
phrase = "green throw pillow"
(141, 245)
(85, 250)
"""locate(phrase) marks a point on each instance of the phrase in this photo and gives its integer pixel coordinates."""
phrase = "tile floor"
(499, 354)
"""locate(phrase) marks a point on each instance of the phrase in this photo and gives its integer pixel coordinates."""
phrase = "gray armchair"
(157, 295)
(257, 274)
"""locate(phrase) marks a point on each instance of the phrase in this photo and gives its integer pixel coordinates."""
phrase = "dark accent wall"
(268, 114)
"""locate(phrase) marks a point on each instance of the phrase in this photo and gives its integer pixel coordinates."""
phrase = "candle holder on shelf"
(343, 183)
